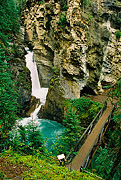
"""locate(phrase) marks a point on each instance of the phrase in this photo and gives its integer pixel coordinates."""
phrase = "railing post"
(86, 132)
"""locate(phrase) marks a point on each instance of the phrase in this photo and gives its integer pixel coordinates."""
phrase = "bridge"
(87, 144)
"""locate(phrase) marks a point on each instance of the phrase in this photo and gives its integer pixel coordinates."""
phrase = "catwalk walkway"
(93, 137)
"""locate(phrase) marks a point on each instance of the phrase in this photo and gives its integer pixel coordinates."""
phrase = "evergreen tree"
(8, 101)
(9, 26)
(108, 160)
(9, 19)
(71, 134)
(20, 5)
(27, 139)
(115, 140)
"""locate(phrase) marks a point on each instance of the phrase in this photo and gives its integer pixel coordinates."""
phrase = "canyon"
(75, 48)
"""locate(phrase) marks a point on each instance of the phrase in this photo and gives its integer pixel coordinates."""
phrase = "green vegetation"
(86, 109)
(31, 155)
(63, 5)
(9, 26)
(55, 79)
(27, 139)
(66, 142)
(24, 82)
(36, 167)
(107, 162)
(8, 101)
(19, 4)
(78, 115)
(90, 17)
(118, 34)
(85, 3)
(62, 20)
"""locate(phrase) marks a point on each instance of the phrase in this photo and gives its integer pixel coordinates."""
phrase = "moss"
(23, 79)
(2, 175)
(54, 80)
(41, 167)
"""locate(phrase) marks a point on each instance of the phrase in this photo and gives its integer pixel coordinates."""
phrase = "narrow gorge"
(49, 129)
(75, 48)
(60, 89)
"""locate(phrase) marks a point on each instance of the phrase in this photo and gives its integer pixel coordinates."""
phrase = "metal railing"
(84, 136)
(97, 142)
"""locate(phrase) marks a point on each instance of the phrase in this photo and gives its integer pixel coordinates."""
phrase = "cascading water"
(49, 129)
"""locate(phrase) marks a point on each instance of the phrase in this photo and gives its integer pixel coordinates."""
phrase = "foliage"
(9, 26)
(40, 167)
(71, 133)
(8, 100)
(86, 109)
(115, 91)
(55, 70)
(63, 5)
(62, 20)
(2, 175)
(20, 5)
(103, 162)
(118, 34)
(27, 139)
(108, 159)
(85, 3)
(77, 114)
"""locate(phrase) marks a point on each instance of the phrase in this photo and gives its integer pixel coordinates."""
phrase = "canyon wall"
(20, 73)
(75, 47)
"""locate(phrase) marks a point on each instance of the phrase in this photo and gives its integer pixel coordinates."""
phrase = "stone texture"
(20, 72)
(84, 52)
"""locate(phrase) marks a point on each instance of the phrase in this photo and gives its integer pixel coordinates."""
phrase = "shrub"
(77, 112)
(9, 27)
(118, 34)
(62, 20)
(63, 5)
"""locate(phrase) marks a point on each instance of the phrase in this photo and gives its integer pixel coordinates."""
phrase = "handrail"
(101, 133)
(81, 140)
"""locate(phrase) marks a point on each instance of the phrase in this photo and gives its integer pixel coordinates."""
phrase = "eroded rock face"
(75, 48)
(21, 73)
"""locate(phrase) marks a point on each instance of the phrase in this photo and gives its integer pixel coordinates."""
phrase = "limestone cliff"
(75, 47)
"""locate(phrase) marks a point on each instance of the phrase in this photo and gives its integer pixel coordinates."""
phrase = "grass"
(36, 167)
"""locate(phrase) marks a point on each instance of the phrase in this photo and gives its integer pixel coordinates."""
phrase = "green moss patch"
(36, 167)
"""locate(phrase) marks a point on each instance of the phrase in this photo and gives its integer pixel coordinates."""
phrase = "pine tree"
(9, 26)
(8, 101)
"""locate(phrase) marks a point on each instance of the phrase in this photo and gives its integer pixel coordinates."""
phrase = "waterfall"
(49, 129)
(37, 91)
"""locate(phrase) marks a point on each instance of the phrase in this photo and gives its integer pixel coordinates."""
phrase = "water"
(31, 64)
(49, 129)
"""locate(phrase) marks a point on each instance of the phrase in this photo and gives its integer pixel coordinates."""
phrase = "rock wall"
(75, 48)
(20, 72)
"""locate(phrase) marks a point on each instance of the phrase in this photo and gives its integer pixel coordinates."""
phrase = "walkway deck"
(79, 159)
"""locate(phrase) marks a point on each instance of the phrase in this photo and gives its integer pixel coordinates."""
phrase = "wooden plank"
(79, 159)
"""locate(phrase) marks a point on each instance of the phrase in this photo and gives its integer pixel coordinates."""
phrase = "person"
(81, 168)
(61, 159)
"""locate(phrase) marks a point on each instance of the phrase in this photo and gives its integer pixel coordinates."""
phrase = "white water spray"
(49, 129)
(37, 91)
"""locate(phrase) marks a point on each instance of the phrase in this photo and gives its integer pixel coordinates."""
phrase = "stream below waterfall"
(49, 129)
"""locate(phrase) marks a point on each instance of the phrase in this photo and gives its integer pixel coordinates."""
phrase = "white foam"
(37, 91)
